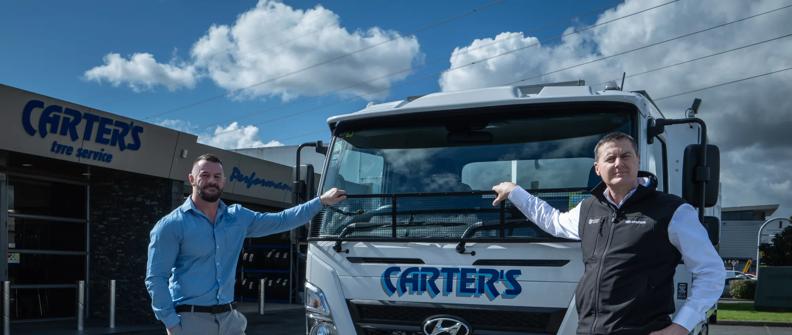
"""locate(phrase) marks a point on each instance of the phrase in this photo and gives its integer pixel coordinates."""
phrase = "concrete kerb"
(754, 323)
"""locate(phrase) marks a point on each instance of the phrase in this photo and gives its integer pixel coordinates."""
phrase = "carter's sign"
(40, 119)
(461, 282)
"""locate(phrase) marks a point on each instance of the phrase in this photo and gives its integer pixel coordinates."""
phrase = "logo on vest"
(633, 221)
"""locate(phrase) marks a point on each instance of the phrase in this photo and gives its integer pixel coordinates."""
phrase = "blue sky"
(50, 45)
(208, 67)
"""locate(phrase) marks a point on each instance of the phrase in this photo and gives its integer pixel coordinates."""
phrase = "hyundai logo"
(445, 325)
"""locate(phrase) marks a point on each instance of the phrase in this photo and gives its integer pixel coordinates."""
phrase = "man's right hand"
(503, 189)
(171, 331)
(332, 196)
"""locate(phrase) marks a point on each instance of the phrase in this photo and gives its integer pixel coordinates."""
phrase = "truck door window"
(357, 172)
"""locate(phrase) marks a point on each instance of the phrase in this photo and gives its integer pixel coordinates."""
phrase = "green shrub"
(742, 289)
(779, 253)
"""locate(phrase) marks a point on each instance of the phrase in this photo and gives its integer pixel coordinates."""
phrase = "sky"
(249, 74)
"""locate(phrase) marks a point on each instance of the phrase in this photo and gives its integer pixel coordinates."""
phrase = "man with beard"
(196, 248)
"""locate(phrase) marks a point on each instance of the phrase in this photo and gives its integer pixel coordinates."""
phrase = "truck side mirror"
(304, 187)
(693, 173)
(712, 225)
(310, 182)
(654, 128)
(321, 148)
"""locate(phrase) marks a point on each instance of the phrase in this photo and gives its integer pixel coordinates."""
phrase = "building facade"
(739, 234)
(80, 190)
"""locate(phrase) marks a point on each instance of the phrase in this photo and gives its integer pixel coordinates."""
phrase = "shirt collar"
(189, 205)
(643, 181)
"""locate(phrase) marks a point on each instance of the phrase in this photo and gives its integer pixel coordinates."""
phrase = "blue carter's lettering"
(463, 282)
(64, 121)
(251, 180)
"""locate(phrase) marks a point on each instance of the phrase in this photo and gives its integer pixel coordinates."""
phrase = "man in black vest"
(632, 238)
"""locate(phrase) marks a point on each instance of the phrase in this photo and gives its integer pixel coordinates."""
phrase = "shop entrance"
(45, 229)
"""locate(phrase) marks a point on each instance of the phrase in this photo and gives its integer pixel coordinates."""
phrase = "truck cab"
(419, 249)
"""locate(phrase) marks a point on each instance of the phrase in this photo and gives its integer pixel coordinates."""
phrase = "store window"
(47, 242)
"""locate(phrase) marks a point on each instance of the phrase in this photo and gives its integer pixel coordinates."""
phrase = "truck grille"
(395, 318)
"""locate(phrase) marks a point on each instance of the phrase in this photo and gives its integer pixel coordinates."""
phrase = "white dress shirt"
(685, 232)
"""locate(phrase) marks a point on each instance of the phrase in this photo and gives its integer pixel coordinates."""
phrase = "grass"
(744, 311)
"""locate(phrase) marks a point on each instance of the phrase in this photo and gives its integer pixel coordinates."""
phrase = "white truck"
(418, 248)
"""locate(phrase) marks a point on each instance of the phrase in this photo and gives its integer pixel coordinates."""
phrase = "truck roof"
(495, 96)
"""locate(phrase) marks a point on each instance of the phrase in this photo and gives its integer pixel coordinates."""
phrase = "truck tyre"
(713, 318)
(704, 329)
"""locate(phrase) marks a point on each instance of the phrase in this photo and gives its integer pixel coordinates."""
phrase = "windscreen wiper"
(490, 225)
(352, 227)
(355, 226)
(346, 213)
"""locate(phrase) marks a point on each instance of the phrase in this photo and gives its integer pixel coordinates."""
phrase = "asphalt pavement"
(278, 319)
(290, 320)
(746, 330)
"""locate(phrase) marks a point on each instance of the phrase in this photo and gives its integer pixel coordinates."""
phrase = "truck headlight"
(318, 319)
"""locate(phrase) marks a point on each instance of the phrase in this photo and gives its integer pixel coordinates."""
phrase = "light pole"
(759, 239)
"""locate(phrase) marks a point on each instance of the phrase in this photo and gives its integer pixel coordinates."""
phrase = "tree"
(779, 253)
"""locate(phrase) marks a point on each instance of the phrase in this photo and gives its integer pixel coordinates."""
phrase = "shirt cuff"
(316, 203)
(172, 320)
(519, 193)
(687, 317)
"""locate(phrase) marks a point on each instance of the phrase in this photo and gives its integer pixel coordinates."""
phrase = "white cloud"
(273, 143)
(142, 72)
(274, 50)
(499, 65)
(180, 125)
(234, 136)
(270, 42)
(750, 121)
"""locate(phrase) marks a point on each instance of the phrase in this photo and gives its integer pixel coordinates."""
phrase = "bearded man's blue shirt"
(192, 261)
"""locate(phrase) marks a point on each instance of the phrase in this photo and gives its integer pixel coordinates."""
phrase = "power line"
(572, 66)
(703, 57)
(646, 46)
(469, 64)
(244, 116)
(304, 134)
(475, 10)
(560, 37)
(331, 60)
(723, 84)
(546, 27)
(658, 99)
(665, 97)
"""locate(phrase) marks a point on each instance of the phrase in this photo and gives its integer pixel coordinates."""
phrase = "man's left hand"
(673, 329)
(332, 196)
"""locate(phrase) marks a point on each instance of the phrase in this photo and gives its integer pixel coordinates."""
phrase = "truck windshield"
(432, 179)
